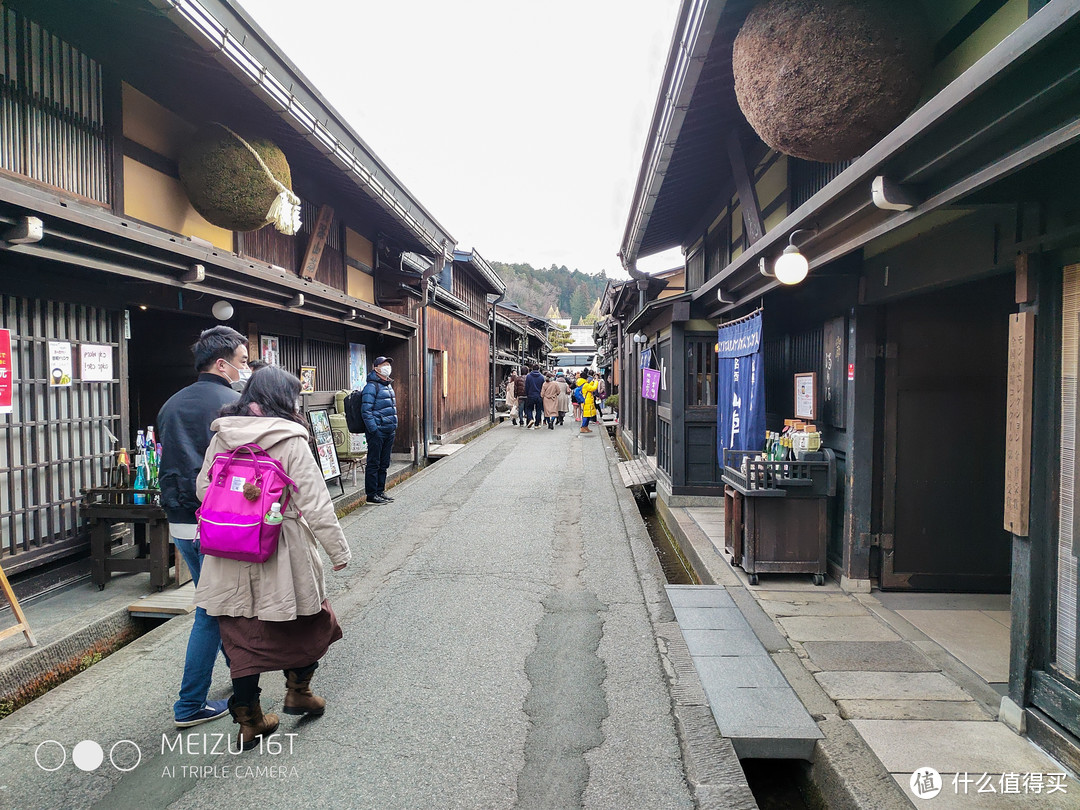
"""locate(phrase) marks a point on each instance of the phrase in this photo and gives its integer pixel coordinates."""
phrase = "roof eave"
(256, 61)
(694, 31)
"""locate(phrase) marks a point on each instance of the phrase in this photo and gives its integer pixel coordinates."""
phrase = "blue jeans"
(585, 421)
(203, 645)
(534, 409)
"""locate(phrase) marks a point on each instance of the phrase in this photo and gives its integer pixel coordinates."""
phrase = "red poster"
(7, 373)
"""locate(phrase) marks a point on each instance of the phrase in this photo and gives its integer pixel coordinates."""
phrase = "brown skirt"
(255, 646)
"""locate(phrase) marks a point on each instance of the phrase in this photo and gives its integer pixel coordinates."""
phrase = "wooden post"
(22, 625)
(314, 251)
(1018, 422)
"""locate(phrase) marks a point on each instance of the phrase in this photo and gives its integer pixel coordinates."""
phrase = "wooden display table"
(783, 509)
(104, 507)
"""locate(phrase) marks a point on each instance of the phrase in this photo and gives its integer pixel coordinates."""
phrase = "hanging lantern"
(825, 80)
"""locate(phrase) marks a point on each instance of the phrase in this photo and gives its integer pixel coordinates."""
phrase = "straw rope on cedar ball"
(825, 80)
(225, 182)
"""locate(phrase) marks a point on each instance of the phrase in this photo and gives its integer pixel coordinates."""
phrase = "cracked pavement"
(498, 653)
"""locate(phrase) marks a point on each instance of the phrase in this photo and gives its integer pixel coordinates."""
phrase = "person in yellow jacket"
(588, 410)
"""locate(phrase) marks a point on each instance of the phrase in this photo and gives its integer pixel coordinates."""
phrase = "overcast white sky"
(518, 125)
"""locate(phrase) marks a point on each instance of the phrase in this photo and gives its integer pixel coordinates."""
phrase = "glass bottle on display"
(140, 478)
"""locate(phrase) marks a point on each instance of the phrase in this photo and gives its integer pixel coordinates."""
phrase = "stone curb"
(713, 770)
(845, 771)
(50, 665)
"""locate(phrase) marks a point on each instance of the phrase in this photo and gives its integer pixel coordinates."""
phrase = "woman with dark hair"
(274, 615)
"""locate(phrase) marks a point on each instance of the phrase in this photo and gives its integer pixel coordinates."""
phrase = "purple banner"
(650, 383)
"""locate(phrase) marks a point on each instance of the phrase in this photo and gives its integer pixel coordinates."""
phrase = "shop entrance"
(436, 391)
(943, 459)
(160, 360)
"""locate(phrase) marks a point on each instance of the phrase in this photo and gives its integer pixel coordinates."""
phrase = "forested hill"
(536, 290)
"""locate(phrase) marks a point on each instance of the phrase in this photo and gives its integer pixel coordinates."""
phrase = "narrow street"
(498, 653)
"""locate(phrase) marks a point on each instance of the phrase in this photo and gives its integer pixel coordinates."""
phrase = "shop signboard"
(7, 373)
(650, 383)
(60, 364)
(324, 444)
(95, 363)
(357, 365)
(740, 402)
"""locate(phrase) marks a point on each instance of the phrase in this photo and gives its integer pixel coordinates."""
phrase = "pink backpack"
(244, 484)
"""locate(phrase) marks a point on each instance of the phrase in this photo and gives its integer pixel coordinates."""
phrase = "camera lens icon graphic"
(51, 755)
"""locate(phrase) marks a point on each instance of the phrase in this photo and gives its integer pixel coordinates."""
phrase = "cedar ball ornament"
(235, 182)
(825, 80)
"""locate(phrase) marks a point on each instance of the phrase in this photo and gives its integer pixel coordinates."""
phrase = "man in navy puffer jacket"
(378, 405)
(534, 405)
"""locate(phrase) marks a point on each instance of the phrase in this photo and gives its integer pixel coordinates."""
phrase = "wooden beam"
(310, 266)
(1026, 277)
(744, 184)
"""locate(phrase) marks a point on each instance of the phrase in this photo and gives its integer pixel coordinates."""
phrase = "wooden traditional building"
(524, 340)
(939, 315)
(105, 258)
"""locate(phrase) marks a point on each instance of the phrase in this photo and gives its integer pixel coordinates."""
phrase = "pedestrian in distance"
(519, 395)
(378, 405)
(183, 426)
(511, 397)
(550, 396)
(534, 403)
(577, 405)
(563, 405)
(588, 387)
(600, 396)
(274, 615)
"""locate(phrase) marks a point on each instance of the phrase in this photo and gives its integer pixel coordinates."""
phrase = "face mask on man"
(244, 375)
(384, 369)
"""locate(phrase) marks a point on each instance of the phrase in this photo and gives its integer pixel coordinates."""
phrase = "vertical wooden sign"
(317, 243)
(1018, 423)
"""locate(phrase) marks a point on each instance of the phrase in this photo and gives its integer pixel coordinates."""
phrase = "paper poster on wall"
(7, 372)
(357, 365)
(60, 364)
(96, 363)
(806, 395)
(324, 444)
(269, 350)
(307, 379)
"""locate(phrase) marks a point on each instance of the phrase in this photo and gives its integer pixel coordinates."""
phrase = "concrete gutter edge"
(712, 768)
(844, 769)
(49, 665)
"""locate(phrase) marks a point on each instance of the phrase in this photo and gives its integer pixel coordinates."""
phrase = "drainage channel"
(777, 784)
(676, 568)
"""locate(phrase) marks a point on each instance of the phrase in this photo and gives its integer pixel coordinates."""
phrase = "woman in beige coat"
(274, 615)
(549, 393)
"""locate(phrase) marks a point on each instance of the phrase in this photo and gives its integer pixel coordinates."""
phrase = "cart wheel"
(819, 579)
(101, 587)
(753, 579)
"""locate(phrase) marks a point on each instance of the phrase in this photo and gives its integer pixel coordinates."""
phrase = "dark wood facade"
(89, 139)
(459, 354)
(905, 318)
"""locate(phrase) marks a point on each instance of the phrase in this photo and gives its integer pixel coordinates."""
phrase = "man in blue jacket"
(378, 406)
(534, 403)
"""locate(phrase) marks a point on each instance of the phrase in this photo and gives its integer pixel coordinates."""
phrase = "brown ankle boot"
(253, 723)
(298, 696)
